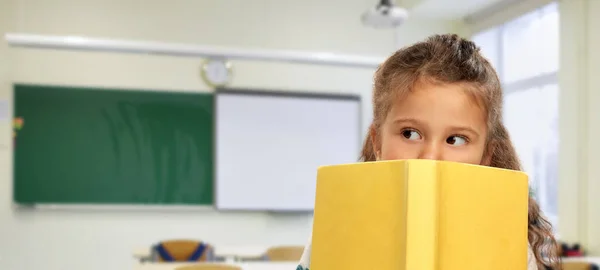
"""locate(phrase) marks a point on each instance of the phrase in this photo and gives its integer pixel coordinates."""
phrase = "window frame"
(536, 81)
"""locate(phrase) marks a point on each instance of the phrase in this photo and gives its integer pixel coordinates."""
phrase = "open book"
(419, 215)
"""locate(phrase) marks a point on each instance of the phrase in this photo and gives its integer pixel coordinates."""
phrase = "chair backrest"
(182, 251)
(209, 266)
(285, 253)
(579, 266)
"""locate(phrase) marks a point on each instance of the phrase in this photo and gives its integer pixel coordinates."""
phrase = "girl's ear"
(375, 142)
(486, 160)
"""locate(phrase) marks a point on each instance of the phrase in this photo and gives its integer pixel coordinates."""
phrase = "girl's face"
(439, 122)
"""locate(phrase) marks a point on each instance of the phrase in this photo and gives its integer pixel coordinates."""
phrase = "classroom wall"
(85, 238)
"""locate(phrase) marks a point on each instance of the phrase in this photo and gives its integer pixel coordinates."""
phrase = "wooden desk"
(245, 252)
(290, 265)
(244, 266)
(594, 260)
(230, 253)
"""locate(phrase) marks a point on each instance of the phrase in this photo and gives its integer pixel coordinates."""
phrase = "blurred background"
(113, 110)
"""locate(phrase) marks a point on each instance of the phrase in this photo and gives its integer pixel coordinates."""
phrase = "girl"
(441, 99)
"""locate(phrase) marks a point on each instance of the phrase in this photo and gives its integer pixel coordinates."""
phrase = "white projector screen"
(269, 146)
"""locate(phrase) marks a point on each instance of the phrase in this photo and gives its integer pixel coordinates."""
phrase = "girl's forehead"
(452, 102)
(443, 93)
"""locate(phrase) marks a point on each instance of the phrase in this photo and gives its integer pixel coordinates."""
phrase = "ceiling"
(446, 9)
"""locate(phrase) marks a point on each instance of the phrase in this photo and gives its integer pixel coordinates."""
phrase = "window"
(525, 53)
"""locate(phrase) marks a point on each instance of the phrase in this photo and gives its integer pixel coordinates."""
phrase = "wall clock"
(216, 72)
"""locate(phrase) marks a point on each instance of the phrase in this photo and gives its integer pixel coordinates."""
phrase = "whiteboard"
(269, 146)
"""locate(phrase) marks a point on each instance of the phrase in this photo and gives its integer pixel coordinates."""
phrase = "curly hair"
(450, 59)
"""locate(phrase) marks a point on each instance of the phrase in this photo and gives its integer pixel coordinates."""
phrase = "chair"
(579, 266)
(182, 251)
(285, 253)
(209, 266)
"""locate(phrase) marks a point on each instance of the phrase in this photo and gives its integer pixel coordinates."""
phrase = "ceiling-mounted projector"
(385, 15)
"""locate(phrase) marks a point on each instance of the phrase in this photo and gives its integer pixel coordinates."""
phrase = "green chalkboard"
(112, 146)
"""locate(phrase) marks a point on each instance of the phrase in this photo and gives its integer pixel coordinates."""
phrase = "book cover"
(419, 215)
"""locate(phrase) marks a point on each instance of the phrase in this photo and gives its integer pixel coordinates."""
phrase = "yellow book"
(419, 215)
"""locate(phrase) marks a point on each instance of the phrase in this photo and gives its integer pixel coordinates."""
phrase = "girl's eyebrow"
(467, 130)
(408, 121)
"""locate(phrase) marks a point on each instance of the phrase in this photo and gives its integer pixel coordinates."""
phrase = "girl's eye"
(456, 140)
(411, 134)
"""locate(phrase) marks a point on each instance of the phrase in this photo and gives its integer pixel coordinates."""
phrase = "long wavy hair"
(449, 59)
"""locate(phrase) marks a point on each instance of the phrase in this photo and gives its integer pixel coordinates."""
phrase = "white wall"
(104, 239)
